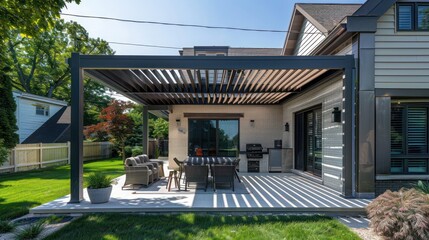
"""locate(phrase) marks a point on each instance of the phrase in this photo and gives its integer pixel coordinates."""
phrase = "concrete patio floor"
(268, 192)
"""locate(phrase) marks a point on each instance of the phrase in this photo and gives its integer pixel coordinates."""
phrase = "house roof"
(55, 130)
(326, 16)
(38, 98)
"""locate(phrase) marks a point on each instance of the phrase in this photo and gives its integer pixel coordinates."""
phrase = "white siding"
(27, 120)
(308, 40)
(268, 126)
(401, 58)
(330, 96)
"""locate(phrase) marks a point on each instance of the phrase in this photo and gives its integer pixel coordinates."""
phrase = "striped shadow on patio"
(269, 192)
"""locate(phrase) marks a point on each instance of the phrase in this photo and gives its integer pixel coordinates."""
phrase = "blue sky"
(270, 14)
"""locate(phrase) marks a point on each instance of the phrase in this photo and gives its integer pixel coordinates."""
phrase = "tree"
(160, 128)
(30, 18)
(39, 64)
(116, 122)
(7, 114)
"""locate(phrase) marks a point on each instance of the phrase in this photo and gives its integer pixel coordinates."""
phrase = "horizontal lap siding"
(309, 38)
(401, 58)
(330, 96)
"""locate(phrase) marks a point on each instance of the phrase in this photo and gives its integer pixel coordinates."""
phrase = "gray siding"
(401, 58)
(330, 96)
(308, 39)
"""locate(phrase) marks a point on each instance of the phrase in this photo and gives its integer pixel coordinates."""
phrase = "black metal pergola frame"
(102, 68)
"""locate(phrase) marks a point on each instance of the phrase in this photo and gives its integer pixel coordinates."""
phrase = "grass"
(191, 226)
(30, 232)
(21, 191)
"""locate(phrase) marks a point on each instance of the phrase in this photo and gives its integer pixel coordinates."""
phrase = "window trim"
(414, 16)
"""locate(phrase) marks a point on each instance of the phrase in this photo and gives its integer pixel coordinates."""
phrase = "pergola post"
(145, 141)
(348, 119)
(76, 152)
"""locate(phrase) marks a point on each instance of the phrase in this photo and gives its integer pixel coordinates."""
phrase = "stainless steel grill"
(254, 154)
(254, 150)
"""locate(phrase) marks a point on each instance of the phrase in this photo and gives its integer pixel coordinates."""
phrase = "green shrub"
(4, 153)
(30, 232)
(137, 150)
(422, 186)
(99, 180)
(400, 215)
(128, 151)
(6, 226)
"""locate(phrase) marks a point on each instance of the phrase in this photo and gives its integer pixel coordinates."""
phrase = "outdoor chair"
(196, 174)
(179, 167)
(223, 174)
(160, 163)
(143, 159)
(136, 174)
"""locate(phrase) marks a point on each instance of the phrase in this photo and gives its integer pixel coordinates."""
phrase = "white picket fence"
(25, 157)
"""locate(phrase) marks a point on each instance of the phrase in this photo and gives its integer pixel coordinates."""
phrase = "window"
(412, 16)
(409, 138)
(42, 110)
(213, 137)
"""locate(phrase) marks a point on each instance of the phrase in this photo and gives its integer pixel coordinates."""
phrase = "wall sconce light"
(178, 122)
(287, 127)
(336, 115)
(252, 123)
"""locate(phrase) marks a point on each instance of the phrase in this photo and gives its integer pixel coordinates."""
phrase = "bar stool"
(172, 175)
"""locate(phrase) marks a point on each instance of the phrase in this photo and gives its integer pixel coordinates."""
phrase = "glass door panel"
(211, 137)
(228, 138)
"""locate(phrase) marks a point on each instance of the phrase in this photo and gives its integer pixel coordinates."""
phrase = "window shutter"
(405, 17)
(396, 136)
(417, 130)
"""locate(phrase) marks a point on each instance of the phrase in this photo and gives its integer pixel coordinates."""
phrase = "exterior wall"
(309, 38)
(27, 120)
(329, 95)
(268, 126)
(401, 58)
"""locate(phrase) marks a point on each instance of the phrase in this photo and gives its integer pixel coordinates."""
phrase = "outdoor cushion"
(130, 162)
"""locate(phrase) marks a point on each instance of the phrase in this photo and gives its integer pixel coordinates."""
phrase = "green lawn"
(190, 226)
(21, 191)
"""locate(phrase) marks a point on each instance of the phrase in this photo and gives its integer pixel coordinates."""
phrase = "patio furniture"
(223, 174)
(179, 167)
(172, 176)
(160, 163)
(143, 159)
(136, 174)
(196, 174)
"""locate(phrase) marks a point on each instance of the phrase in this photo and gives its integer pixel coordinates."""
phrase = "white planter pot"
(99, 195)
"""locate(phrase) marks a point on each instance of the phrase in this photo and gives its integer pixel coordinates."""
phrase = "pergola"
(160, 81)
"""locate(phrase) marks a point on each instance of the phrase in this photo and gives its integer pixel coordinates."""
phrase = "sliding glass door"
(213, 137)
(308, 141)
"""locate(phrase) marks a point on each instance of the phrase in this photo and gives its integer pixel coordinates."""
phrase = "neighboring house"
(41, 119)
(359, 130)
(229, 51)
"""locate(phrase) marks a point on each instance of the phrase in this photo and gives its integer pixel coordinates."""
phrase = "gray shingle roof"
(329, 15)
(55, 130)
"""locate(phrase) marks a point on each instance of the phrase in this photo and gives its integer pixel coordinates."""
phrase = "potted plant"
(99, 187)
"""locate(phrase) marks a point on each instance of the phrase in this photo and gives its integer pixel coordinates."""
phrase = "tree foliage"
(29, 18)
(8, 126)
(40, 66)
(115, 122)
